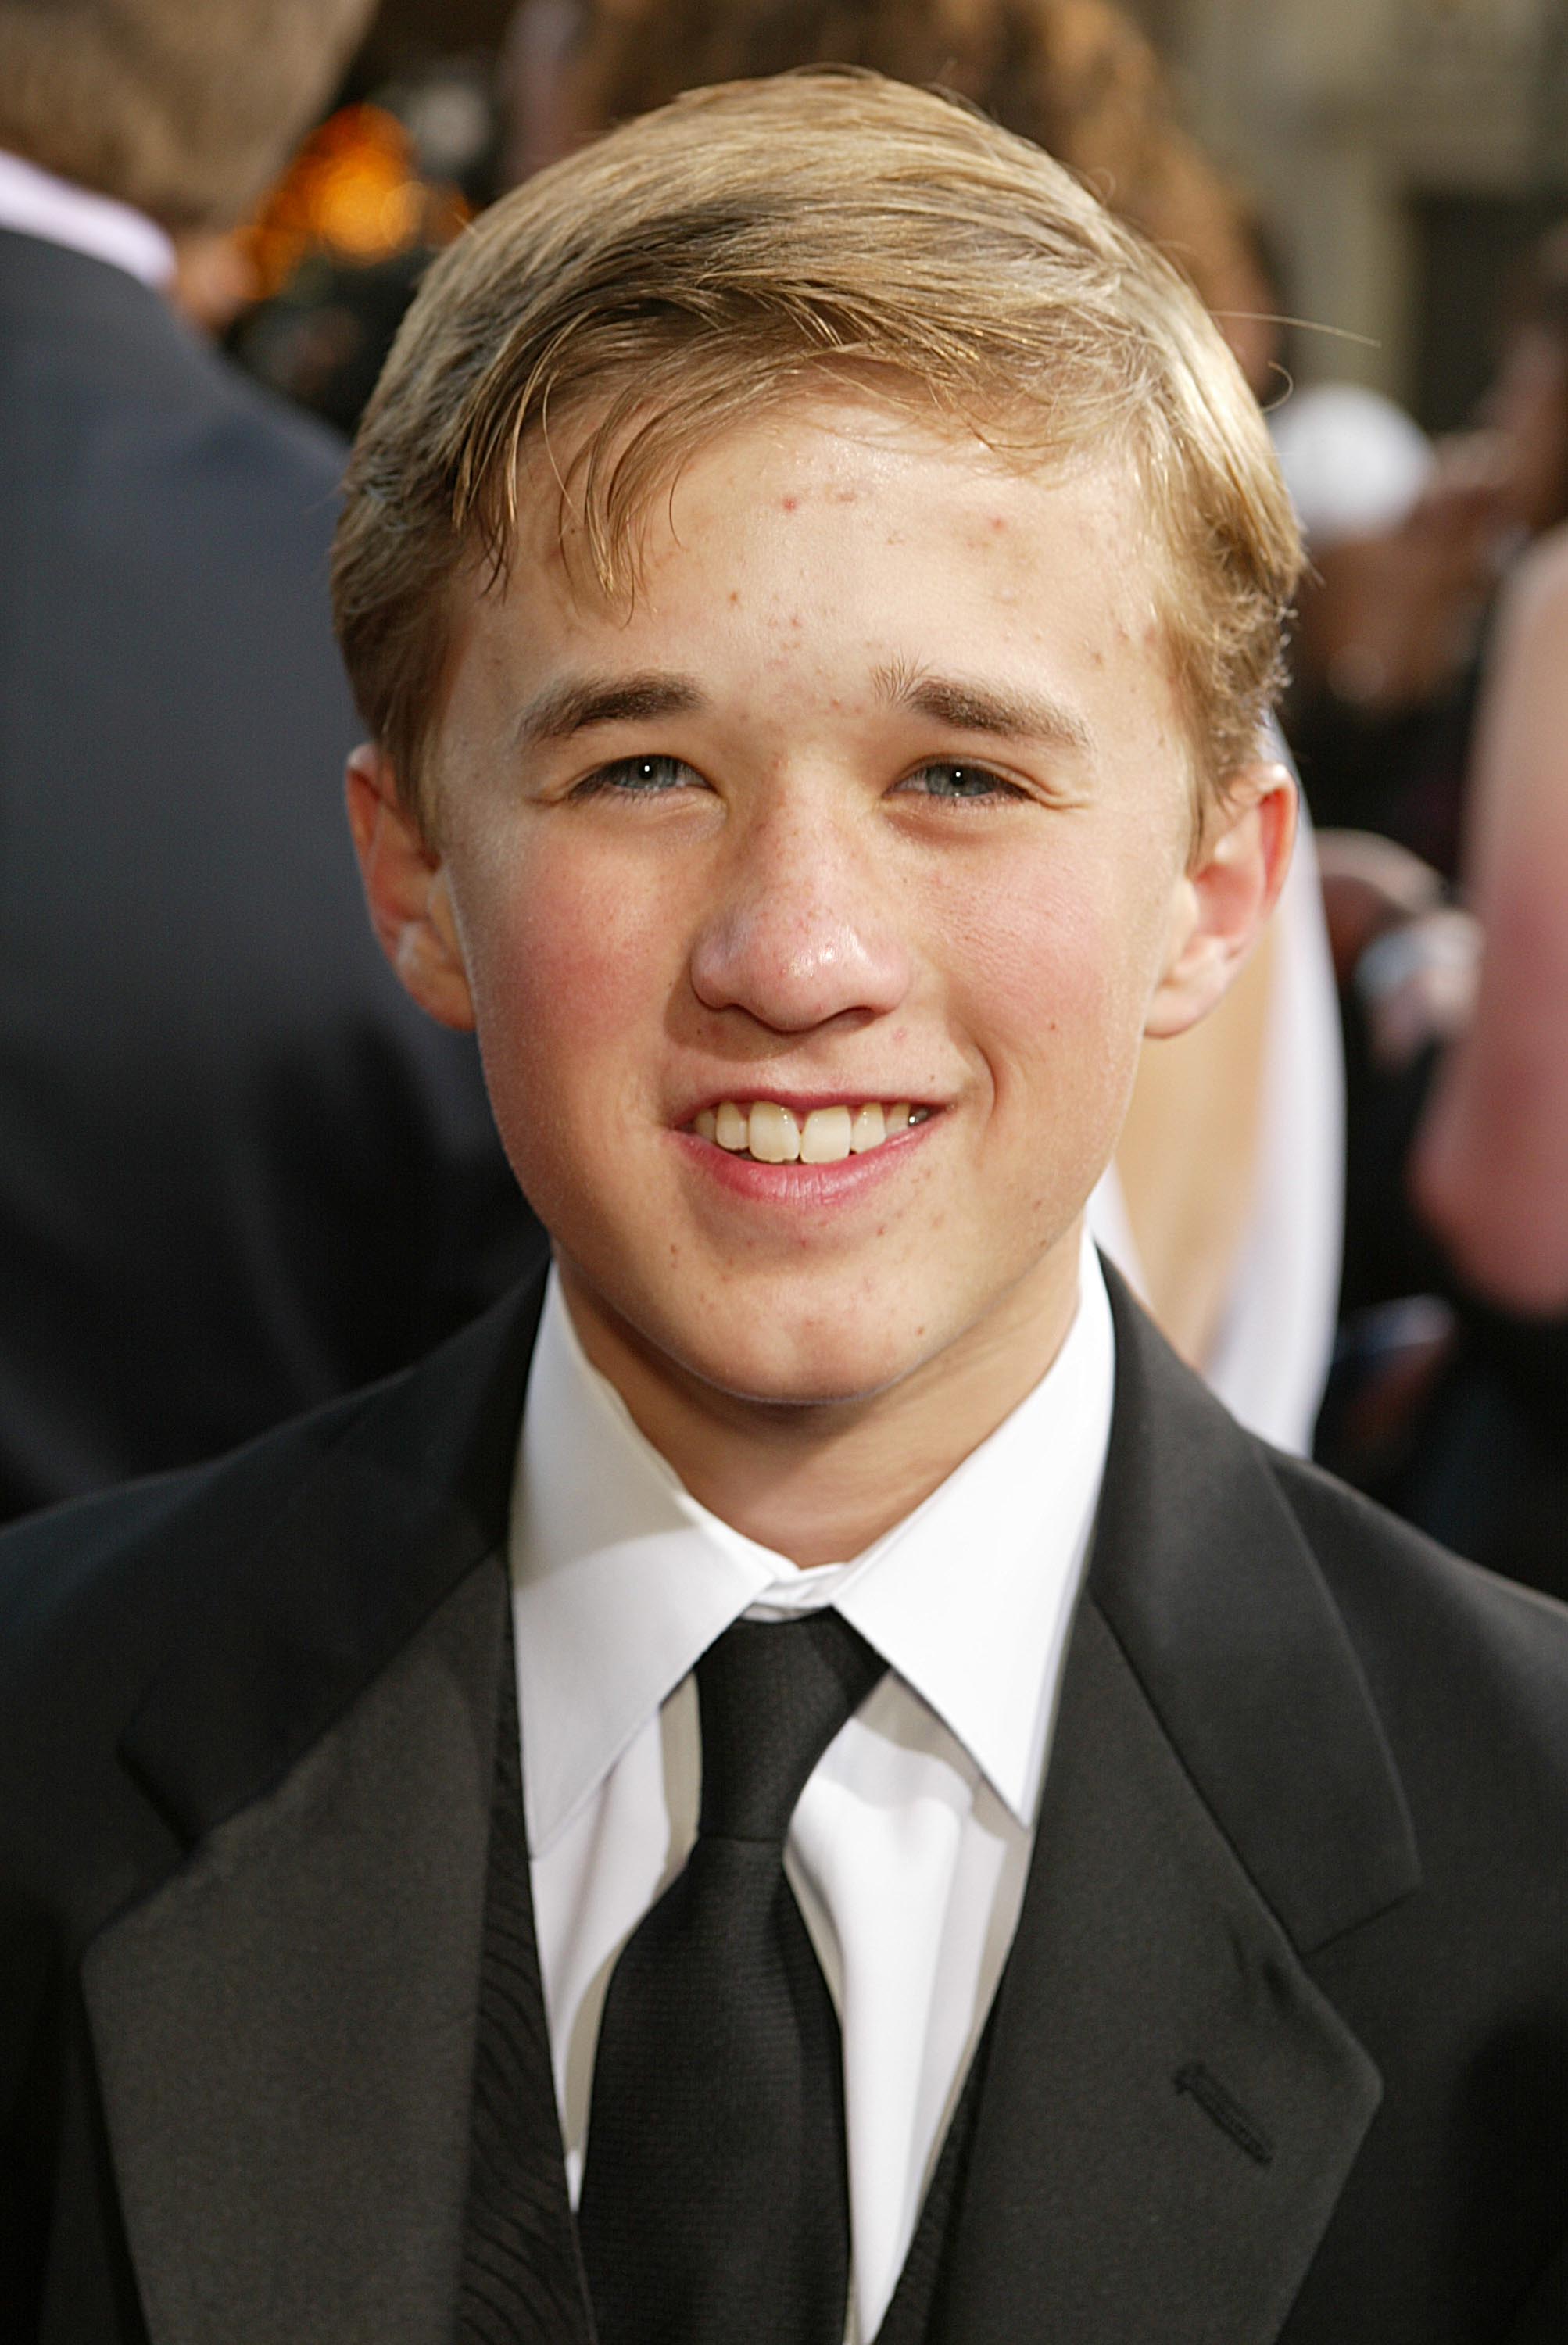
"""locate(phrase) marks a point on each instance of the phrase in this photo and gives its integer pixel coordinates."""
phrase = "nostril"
(789, 970)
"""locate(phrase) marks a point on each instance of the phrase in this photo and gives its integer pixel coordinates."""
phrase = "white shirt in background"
(1272, 1350)
(910, 1846)
(35, 203)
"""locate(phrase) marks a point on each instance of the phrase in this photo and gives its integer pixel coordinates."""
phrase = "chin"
(809, 1367)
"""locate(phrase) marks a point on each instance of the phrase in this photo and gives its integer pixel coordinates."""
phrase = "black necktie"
(714, 2204)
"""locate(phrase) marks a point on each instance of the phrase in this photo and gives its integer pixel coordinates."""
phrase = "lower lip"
(810, 1187)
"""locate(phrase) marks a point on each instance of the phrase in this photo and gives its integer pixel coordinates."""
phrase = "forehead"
(983, 517)
(815, 577)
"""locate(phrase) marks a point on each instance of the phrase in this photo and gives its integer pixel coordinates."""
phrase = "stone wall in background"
(1404, 152)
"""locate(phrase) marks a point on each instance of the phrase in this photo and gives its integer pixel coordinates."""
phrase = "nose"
(803, 928)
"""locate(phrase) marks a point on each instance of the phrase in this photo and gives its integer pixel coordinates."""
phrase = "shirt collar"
(622, 1580)
(35, 203)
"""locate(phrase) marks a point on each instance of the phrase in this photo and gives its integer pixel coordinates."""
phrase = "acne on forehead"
(550, 523)
(550, 531)
(832, 492)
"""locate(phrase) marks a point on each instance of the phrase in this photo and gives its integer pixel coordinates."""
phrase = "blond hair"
(729, 252)
(1077, 77)
(185, 108)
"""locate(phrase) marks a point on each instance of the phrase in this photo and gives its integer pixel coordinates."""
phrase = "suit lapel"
(1172, 2107)
(522, 2275)
(285, 2030)
(312, 1598)
(1208, 1585)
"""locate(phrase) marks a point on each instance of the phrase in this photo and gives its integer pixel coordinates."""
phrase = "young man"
(999, 1856)
(1221, 1205)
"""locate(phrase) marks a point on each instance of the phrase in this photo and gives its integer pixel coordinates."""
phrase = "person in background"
(237, 1175)
(1393, 641)
(1488, 1170)
(1451, 1393)
(214, 280)
(1528, 402)
(1450, 1390)
(1223, 1205)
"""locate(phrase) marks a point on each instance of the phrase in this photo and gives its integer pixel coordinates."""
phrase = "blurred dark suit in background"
(238, 1173)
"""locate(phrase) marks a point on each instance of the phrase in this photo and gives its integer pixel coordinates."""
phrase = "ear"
(406, 889)
(1223, 902)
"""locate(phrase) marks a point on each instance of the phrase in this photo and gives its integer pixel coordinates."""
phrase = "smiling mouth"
(767, 1133)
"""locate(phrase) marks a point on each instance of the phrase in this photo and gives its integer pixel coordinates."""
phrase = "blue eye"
(943, 778)
(636, 776)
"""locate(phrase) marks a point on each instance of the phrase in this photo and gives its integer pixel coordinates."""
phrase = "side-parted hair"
(1077, 77)
(736, 251)
(185, 108)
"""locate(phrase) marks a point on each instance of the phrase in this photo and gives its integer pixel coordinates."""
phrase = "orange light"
(353, 191)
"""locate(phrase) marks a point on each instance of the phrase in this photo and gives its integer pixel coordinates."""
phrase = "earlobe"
(406, 891)
(1224, 901)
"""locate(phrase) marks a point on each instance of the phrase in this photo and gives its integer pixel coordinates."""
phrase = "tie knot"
(773, 1694)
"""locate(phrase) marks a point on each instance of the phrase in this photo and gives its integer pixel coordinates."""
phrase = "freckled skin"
(801, 912)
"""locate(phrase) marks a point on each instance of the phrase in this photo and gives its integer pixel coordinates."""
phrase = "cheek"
(1056, 971)
(569, 971)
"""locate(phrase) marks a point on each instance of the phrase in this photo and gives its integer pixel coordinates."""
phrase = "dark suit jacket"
(239, 1173)
(1278, 2054)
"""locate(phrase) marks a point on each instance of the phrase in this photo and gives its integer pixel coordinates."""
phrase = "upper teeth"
(776, 1135)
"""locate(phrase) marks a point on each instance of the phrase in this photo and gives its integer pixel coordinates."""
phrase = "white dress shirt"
(909, 1848)
(35, 203)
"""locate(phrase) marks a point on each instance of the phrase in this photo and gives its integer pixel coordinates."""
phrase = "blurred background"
(1402, 156)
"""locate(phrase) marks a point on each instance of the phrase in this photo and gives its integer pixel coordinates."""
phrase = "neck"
(36, 203)
(819, 1482)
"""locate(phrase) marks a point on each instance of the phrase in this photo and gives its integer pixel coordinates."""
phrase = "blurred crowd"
(223, 1138)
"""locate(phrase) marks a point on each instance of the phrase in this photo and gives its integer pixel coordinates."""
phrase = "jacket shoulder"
(91, 1594)
(331, 1537)
(70, 1567)
(1356, 1540)
(1468, 1670)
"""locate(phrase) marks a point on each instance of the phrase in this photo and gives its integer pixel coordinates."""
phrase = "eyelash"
(992, 785)
(618, 775)
(635, 777)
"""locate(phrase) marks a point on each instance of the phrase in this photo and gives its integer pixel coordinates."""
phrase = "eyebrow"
(970, 706)
(576, 703)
